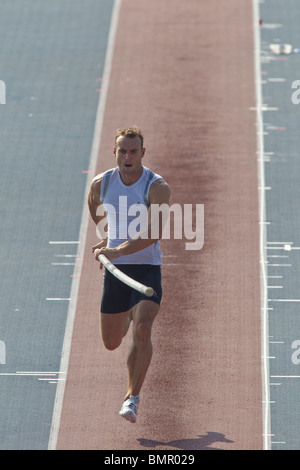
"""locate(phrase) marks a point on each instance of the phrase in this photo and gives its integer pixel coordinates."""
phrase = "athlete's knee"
(111, 343)
(113, 328)
(142, 332)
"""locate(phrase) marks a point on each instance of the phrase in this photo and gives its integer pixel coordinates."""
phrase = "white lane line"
(282, 265)
(278, 442)
(83, 228)
(63, 264)
(279, 243)
(48, 375)
(262, 229)
(264, 107)
(276, 80)
(31, 372)
(285, 376)
(47, 378)
(58, 298)
(64, 242)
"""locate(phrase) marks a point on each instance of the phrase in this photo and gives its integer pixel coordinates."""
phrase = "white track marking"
(262, 229)
(64, 242)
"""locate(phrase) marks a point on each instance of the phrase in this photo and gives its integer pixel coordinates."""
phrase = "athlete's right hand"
(109, 253)
(99, 245)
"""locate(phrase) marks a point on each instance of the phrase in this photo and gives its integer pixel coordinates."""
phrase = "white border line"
(83, 229)
(262, 228)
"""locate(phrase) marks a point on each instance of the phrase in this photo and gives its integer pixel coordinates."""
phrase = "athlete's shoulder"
(95, 187)
(159, 191)
(150, 175)
(96, 181)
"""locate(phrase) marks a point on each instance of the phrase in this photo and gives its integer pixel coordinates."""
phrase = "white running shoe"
(129, 409)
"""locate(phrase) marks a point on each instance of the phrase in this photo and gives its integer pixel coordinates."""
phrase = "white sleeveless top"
(117, 199)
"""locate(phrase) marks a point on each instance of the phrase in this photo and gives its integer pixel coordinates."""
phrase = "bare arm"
(94, 203)
(94, 198)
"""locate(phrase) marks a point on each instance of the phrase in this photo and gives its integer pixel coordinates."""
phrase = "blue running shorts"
(117, 297)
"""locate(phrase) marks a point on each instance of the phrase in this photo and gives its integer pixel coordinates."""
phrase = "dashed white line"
(64, 242)
(285, 376)
(58, 298)
(63, 264)
(276, 80)
(282, 265)
(279, 243)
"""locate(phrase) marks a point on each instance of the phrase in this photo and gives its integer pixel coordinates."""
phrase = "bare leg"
(140, 354)
(114, 327)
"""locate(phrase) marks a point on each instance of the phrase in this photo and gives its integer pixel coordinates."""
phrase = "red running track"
(183, 72)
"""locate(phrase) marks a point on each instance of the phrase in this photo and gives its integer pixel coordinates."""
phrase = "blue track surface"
(281, 20)
(51, 58)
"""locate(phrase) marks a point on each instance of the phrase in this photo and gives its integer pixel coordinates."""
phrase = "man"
(138, 256)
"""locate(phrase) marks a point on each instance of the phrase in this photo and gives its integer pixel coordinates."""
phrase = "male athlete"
(138, 256)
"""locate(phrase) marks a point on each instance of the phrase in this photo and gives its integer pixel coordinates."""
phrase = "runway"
(203, 390)
(215, 105)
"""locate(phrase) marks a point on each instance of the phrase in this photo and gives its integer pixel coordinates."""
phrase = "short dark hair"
(131, 132)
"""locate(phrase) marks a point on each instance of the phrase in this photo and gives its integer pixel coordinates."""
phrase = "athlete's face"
(129, 154)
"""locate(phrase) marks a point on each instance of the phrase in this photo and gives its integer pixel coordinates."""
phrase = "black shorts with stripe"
(117, 297)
